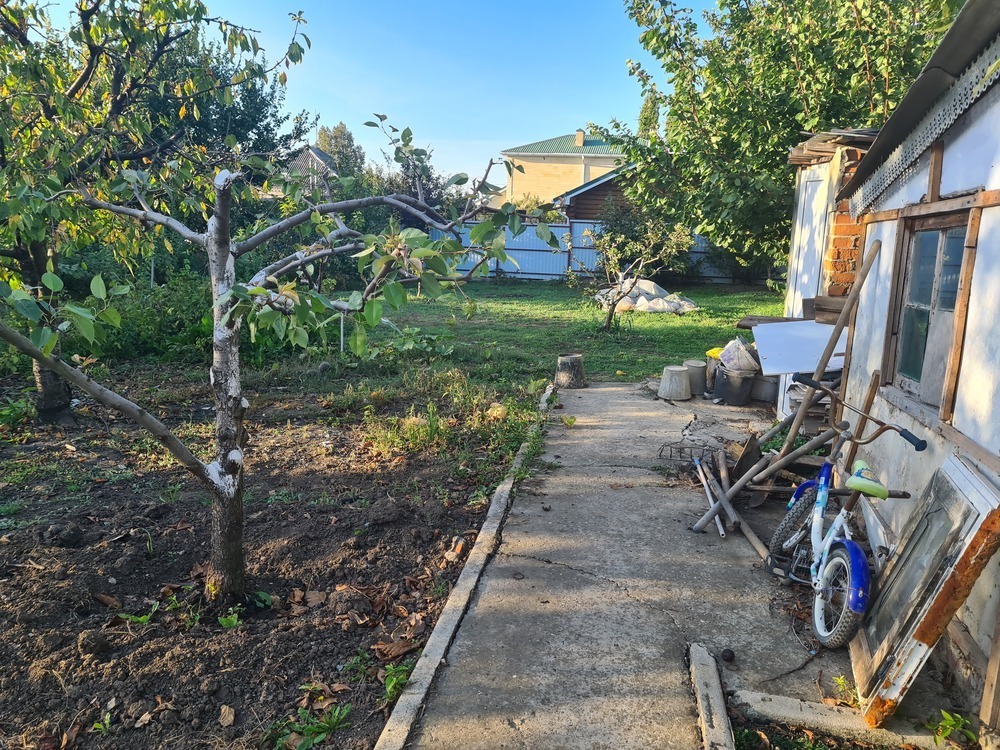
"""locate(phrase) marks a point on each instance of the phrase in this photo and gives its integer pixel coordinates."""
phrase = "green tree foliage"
(348, 157)
(72, 149)
(740, 98)
(649, 115)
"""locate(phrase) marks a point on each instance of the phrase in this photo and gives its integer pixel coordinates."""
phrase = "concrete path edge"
(716, 732)
(407, 709)
(837, 721)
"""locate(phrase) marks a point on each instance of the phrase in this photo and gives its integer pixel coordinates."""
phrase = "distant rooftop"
(566, 144)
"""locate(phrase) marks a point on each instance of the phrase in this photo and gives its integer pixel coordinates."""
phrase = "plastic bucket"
(697, 376)
(712, 361)
(733, 386)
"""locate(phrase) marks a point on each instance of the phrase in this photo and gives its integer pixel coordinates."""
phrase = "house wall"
(549, 176)
(590, 204)
(970, 161)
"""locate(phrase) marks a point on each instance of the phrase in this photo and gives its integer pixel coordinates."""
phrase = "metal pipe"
(711, 500)
(755, 542)
(718, 494)
(752, 475)
(841, 492)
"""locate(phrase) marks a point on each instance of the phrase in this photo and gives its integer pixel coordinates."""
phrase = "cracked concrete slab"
(577, 635)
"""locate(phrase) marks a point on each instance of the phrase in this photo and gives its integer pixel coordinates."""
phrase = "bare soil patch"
(353, 552)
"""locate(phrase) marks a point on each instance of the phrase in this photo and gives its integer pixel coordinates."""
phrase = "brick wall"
(840, 263)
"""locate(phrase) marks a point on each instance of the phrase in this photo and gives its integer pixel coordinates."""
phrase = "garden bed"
(358, 523)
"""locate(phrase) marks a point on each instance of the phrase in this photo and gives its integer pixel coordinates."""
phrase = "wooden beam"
(989, 710)
(896, 285)
(980, 199)
(934, 172)
(859, 428)
(959, 635)
(950, 391)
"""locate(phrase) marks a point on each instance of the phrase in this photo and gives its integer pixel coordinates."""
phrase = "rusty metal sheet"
(944, 548)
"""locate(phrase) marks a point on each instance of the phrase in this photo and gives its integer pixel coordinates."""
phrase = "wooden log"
(569, 371)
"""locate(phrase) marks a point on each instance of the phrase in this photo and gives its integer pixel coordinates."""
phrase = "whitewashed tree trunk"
(226, 579)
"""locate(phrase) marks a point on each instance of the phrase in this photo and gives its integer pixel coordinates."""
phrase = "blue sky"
(469, 78)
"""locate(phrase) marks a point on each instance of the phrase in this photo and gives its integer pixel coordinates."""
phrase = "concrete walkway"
(578, 633)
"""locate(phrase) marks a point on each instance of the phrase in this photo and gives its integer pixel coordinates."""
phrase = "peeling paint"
(960, 581)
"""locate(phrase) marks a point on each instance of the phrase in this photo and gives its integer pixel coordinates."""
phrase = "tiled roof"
(566, 144)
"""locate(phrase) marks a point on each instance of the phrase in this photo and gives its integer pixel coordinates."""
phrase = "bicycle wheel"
(795, 526)
(834, 622)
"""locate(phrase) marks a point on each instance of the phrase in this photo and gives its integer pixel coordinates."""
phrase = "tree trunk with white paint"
(226, 579)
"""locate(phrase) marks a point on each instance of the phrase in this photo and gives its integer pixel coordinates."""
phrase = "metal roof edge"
(975, 26)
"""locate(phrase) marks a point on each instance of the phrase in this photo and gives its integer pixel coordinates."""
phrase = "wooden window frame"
(893, 389)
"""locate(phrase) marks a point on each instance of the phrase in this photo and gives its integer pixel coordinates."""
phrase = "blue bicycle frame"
(857, 595)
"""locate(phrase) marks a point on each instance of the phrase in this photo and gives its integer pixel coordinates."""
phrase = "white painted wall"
(813, 204)
(972, 148)
(971, 160)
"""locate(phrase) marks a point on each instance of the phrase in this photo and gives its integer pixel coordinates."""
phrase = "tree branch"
(152, 217)
(94, 51)
(297, 260)
(113, 401)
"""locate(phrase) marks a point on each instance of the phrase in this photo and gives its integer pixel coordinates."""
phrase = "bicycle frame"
(839, 533)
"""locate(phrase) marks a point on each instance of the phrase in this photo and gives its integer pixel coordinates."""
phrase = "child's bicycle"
(832, 563)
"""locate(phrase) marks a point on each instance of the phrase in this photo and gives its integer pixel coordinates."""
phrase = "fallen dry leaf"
(394, 650)
(315, 598)
(227, 716)
(144, 719)
(108, 601)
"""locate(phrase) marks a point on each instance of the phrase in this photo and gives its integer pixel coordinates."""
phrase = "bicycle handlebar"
(917, 443)
(913, 440)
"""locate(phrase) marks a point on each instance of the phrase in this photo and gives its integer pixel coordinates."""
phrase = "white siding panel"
(978, 399)
(972, 148)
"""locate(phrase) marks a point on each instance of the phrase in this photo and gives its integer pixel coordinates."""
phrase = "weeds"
(396, 677)
(102, 726)
(309, 729)
(359, 667)
(233, 617)
(140, 619)
(952, 724)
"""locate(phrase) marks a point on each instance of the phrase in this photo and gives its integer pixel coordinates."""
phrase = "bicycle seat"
(864, 481)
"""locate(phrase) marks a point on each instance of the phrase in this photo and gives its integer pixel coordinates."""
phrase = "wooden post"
(859, 428)
(824, 360)
(989, 711)
(569, 371)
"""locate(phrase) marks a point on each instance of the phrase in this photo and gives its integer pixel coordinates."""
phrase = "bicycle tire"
(799, 516)
(835, 582)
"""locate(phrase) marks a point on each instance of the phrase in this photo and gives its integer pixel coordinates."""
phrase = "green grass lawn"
(521, 327)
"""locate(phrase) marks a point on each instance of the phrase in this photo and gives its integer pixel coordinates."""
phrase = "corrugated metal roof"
(566, 144)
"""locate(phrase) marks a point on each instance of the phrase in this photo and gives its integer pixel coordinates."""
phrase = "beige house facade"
(558, 165)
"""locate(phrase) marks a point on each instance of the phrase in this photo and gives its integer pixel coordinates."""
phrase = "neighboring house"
(313, 164)
(553, 166)
(587, 201)
(925, 337)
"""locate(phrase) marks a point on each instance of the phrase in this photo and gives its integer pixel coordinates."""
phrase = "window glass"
(922, 266)
(951, 266)
(913, 341)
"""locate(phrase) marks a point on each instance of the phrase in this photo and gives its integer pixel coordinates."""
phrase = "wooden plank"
(852, 326)
(950, 389)
(980, 199)
(897, 284)
(989, 710)
(934, 172)
(750, 321)
(859, 428)
(962, 638)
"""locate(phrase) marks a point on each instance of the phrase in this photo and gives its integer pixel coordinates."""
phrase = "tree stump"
(569, 371)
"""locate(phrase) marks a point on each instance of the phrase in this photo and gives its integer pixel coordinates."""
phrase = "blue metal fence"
(531, 258)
